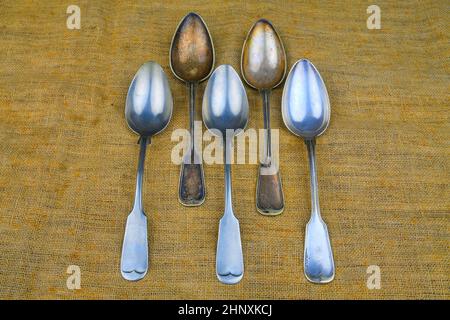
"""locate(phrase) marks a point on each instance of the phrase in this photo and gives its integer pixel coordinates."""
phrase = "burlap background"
(68, 159)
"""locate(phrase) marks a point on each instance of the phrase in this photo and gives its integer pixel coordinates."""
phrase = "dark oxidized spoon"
(263, 66)
(192, 61)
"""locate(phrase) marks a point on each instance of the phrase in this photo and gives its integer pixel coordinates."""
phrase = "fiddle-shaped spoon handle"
(229, 258)
(134, 261)
(269, 192)
(192, 180)
(318, 259)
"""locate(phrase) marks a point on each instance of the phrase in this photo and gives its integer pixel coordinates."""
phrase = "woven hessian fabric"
(68, 160)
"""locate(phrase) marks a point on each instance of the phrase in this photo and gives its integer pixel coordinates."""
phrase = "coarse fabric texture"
(68, 159)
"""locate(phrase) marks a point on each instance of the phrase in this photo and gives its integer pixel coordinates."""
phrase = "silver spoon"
(225, 114)
(192, 61)
(306, 113)
(148, 111)
(263, 66)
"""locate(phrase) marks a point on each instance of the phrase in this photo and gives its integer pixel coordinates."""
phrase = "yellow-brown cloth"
(68, 160)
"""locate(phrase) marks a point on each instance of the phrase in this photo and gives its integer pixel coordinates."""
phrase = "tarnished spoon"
(263, 66)
(192, 61)
(225, 108)
(306, 113)
(148, 110)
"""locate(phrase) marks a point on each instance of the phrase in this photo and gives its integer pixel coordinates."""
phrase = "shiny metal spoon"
(192, 61)
(148, 111)
(225, 109)
(263, 66)
(306, 113)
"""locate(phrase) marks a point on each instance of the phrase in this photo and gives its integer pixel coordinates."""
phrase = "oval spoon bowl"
(149, 102)
(305, 104)
(263, 58)
(225, 103)
(192, 50)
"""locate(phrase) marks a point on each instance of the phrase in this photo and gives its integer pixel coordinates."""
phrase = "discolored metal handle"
(192, 179)
(269, 191)
(192, 184)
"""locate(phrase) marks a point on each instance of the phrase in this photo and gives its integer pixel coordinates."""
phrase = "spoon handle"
(192, 180)
(318, 259)
(269, 191)
(229, 258)
(134, 261)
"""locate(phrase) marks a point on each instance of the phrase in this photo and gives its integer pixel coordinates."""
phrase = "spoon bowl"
(306, 106)
(192, 50)
(149, 103)
(225, 103)
(263, 58)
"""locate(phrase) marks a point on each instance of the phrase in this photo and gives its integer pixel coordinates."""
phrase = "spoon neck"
(143, 141)
(265, 93)
(227, 173)
(192, 87)
(311, 146)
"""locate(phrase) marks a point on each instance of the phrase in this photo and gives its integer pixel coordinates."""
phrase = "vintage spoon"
(148, 111)
(263, 66)
(192, 61)
(225, 109)
(306, 113)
